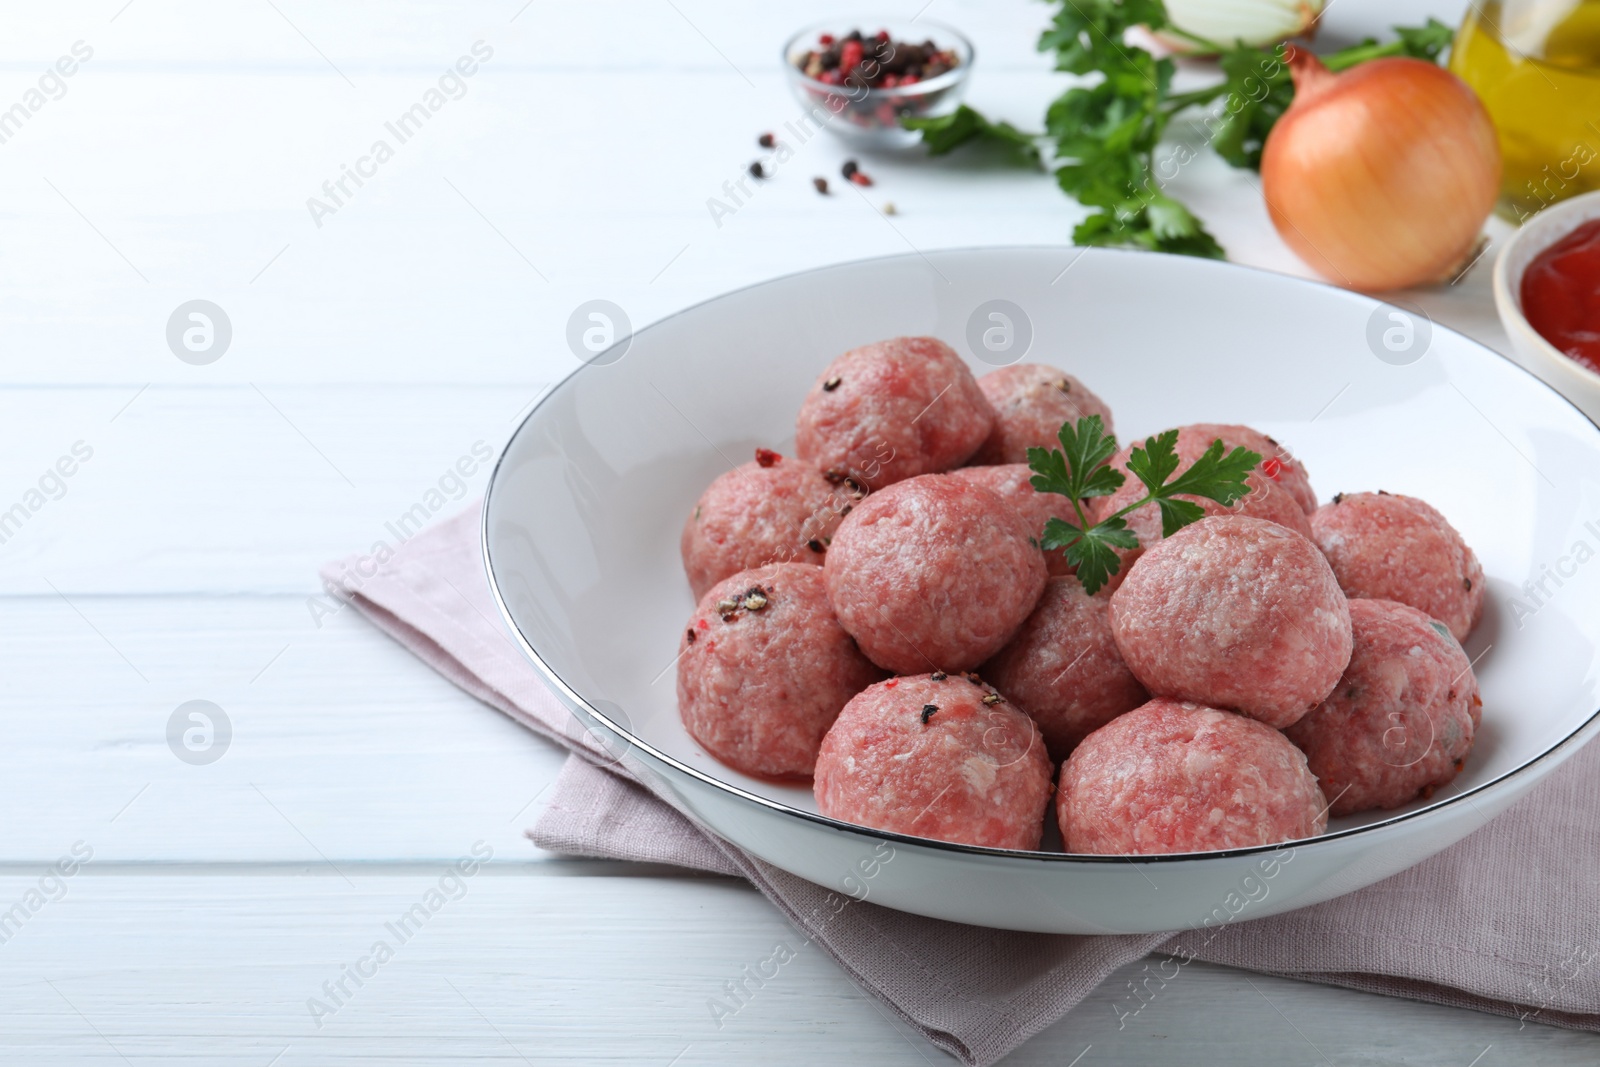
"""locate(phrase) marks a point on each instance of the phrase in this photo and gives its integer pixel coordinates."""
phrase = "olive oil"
(1535, 64)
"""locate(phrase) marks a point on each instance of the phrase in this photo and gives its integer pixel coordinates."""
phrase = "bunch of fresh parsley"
(1080, 471)
(1103, 135)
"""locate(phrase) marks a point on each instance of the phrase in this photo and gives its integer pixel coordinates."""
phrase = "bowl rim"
(953, 76)
(1508, 290)
(576, 703)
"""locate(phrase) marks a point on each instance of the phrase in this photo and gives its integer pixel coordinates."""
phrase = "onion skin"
(1380, 177)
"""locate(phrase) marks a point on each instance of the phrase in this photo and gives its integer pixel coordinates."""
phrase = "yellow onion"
(1380, 176)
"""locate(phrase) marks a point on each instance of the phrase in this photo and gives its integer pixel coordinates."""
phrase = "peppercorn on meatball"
(940, 756)
(933, 573)
(892, 410)
(763, 669)
(1013, 482)
(1388, 547)
(1236, 613)
(771, 510)
(1172, 776)
(1401, 720)
(1063, 667)
(1031, 401)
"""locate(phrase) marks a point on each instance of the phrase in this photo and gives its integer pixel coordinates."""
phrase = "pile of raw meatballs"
(875, 614)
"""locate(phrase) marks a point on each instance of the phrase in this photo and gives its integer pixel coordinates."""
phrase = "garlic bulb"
(1251, 22)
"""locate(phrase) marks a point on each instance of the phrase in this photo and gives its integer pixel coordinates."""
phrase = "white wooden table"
(368, 354)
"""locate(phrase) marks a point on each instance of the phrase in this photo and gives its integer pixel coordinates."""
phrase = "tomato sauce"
(1561, 294)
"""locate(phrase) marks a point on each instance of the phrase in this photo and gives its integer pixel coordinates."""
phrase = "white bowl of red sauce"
(1547, 289)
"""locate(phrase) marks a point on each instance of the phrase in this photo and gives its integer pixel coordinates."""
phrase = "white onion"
(1226, 22)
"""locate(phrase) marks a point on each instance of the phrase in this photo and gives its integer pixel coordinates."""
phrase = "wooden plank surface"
(595, 967)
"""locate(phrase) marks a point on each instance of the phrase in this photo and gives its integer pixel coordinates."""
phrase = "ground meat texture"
(933, 574)
(1279, 468)
(1388, 547)
(1173, 776)
(1063, 667)
(763, 669)
(1281, 501)
(772, 510)
(938, 756)
(1401, 720)
(1235, 613)
(1013, 483)
(892, 410)
(1030, 402)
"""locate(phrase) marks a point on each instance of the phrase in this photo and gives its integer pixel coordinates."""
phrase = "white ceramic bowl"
(585, 506)
(1576, 381)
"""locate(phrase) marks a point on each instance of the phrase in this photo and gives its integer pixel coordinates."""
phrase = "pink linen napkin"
(1503, 922)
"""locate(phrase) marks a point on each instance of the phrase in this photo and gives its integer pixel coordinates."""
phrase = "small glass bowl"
(869, 117)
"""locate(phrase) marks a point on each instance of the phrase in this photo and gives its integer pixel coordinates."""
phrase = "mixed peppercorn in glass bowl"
(860, 82)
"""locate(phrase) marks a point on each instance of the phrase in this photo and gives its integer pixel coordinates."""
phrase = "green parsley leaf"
(1059, 533)
(1087, 448)
(1425, 42)
(1176, 514)
(1091, 552)
(1213, 476)
(1257, 92)
(1050, 473)
(1106, 134)
(1154, 463)
(1084, 31)
(1216, 476)
(966, 126)
(1079, 470)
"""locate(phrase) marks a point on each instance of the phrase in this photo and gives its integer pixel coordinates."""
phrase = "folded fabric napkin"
(1504, 922)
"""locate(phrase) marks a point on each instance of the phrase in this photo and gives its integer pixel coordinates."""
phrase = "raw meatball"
(933, 573)
(1389, 547)
(1281, 500)
(1013, 482)
(763, 669)
(892, 410)
(772, 510)
(1401, 721)
(1236, 613)
(1279, 467)
(1030, 402)
(936, 756)
(1063, 667)
(1177, 777)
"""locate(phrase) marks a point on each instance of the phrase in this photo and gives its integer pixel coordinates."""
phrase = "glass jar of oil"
(1535, 64)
